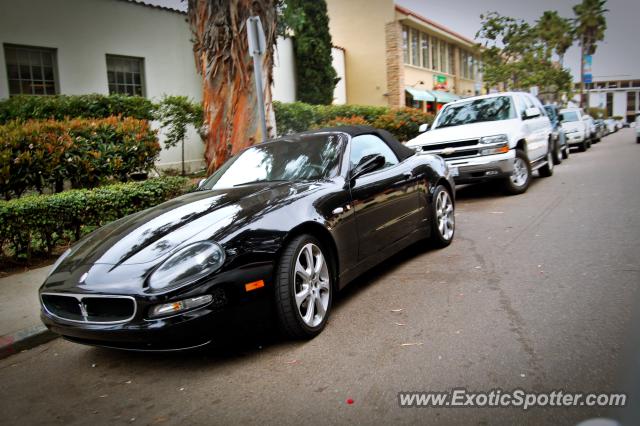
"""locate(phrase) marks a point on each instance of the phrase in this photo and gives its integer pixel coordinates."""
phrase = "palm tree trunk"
(222, 58)
(582, 50)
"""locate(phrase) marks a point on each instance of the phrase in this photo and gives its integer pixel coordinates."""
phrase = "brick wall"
(395, 69)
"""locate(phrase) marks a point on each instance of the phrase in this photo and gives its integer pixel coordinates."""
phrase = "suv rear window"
(476, 111)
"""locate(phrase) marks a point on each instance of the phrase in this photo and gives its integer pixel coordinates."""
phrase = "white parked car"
(637, 128)
(591, 128)
(611, 125)
(576, 128)
(499, 136)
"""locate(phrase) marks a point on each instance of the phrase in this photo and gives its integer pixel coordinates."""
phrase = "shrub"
(403, 123)
(37, 153)
(37, 223)
(61, 106)
(354, 120)
(297, 116)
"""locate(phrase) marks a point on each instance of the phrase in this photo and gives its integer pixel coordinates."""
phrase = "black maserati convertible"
(282, 225)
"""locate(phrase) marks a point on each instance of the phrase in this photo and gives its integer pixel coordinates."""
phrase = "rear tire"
(547, 169)
(443, 222)
(557, 156)
(566, 152)
(303, 287)
(583, 146)
(519, 181)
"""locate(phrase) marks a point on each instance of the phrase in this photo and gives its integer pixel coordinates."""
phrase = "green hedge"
(298, 117)
(38, 153)
(37, 223)
(88, 106)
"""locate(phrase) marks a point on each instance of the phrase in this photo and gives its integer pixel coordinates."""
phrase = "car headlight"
(494, 139)
(188, 265)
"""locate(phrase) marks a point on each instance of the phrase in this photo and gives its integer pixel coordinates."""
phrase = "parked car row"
(505, 137)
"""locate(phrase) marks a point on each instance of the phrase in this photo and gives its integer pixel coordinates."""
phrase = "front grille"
(457, 144)
(461, 154)
(90, 308)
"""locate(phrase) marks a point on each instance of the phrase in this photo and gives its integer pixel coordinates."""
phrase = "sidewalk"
(20, 326)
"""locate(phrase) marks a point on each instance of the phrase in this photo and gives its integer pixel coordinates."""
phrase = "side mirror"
(367, 164)
(201, 183)
(423, 128)
(531, 112)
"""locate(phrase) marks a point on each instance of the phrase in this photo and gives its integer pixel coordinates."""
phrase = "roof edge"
(441, 27)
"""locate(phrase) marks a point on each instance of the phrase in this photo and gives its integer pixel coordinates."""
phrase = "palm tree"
(556, 32)
(220, 48)
(590, 25)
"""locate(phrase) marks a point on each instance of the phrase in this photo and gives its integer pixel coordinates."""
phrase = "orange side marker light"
(254, 285)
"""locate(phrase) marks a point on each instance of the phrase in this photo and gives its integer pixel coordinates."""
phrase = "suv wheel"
(566, 151)
(303, 288)
(519, 180)
(547, 169)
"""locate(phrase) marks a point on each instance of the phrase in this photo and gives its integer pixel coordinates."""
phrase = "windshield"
(475, 111)
(309, 157)
(570, 116)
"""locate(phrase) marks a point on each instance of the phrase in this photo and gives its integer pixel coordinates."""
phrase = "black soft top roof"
(400, 150)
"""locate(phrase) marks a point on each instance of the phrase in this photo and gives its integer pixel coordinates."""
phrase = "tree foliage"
(590, 24)
(315, 76)
(518, 55)
(556, 32)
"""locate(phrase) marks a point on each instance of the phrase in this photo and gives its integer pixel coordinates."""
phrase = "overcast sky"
(617, 57)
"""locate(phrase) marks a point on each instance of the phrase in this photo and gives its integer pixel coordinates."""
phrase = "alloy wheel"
(312, 285)
(520, 172)
(445, 215)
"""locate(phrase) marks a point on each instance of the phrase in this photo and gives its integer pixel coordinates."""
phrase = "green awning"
(444, 97)
(420, 95)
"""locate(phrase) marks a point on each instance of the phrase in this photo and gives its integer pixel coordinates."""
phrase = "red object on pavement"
(349, 401)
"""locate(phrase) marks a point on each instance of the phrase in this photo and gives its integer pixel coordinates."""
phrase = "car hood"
(117, 257)
(465, 131)
(572, 125)
(147, 236)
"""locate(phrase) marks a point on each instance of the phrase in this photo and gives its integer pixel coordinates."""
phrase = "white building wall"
(284, 72)
(620, 104)
(85, 31)
(340, 91)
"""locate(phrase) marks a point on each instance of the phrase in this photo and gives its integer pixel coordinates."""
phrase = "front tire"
(519, 180)
(443, 221)
(303, 288)
(566, 152)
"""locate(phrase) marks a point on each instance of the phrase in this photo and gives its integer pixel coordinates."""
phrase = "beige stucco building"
(396, 57)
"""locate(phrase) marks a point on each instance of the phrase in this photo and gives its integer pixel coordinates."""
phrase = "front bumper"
(482, 168)
(236, 310)
(575, 138)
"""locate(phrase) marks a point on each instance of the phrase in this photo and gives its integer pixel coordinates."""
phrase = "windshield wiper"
(260, 181)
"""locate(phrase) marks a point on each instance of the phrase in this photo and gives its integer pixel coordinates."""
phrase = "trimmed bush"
(298, 117)
(86, 152)
(403, 123)
(37, 223)
(61, 106)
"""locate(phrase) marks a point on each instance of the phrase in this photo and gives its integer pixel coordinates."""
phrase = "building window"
(435, 46)
(444, 67)
(631, 101)
(31, 70)
(415, 51)
(405, 43)
(424, 47)
(125, 75)
(452, 59)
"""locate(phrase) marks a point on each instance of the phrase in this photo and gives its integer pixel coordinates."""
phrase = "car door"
(535, 135)
(385, 201)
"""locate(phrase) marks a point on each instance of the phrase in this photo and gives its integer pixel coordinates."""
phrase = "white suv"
(499, 136)
(576, 128)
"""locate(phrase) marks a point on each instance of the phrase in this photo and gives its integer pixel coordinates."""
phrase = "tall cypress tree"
(315, 76)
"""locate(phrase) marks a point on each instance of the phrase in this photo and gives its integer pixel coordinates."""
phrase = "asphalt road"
(537, 292)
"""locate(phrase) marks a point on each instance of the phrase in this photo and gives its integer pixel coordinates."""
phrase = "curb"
(24, 339)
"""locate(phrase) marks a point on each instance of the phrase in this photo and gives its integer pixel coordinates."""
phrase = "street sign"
(587, 78)
(441, 78)
(257, 48)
